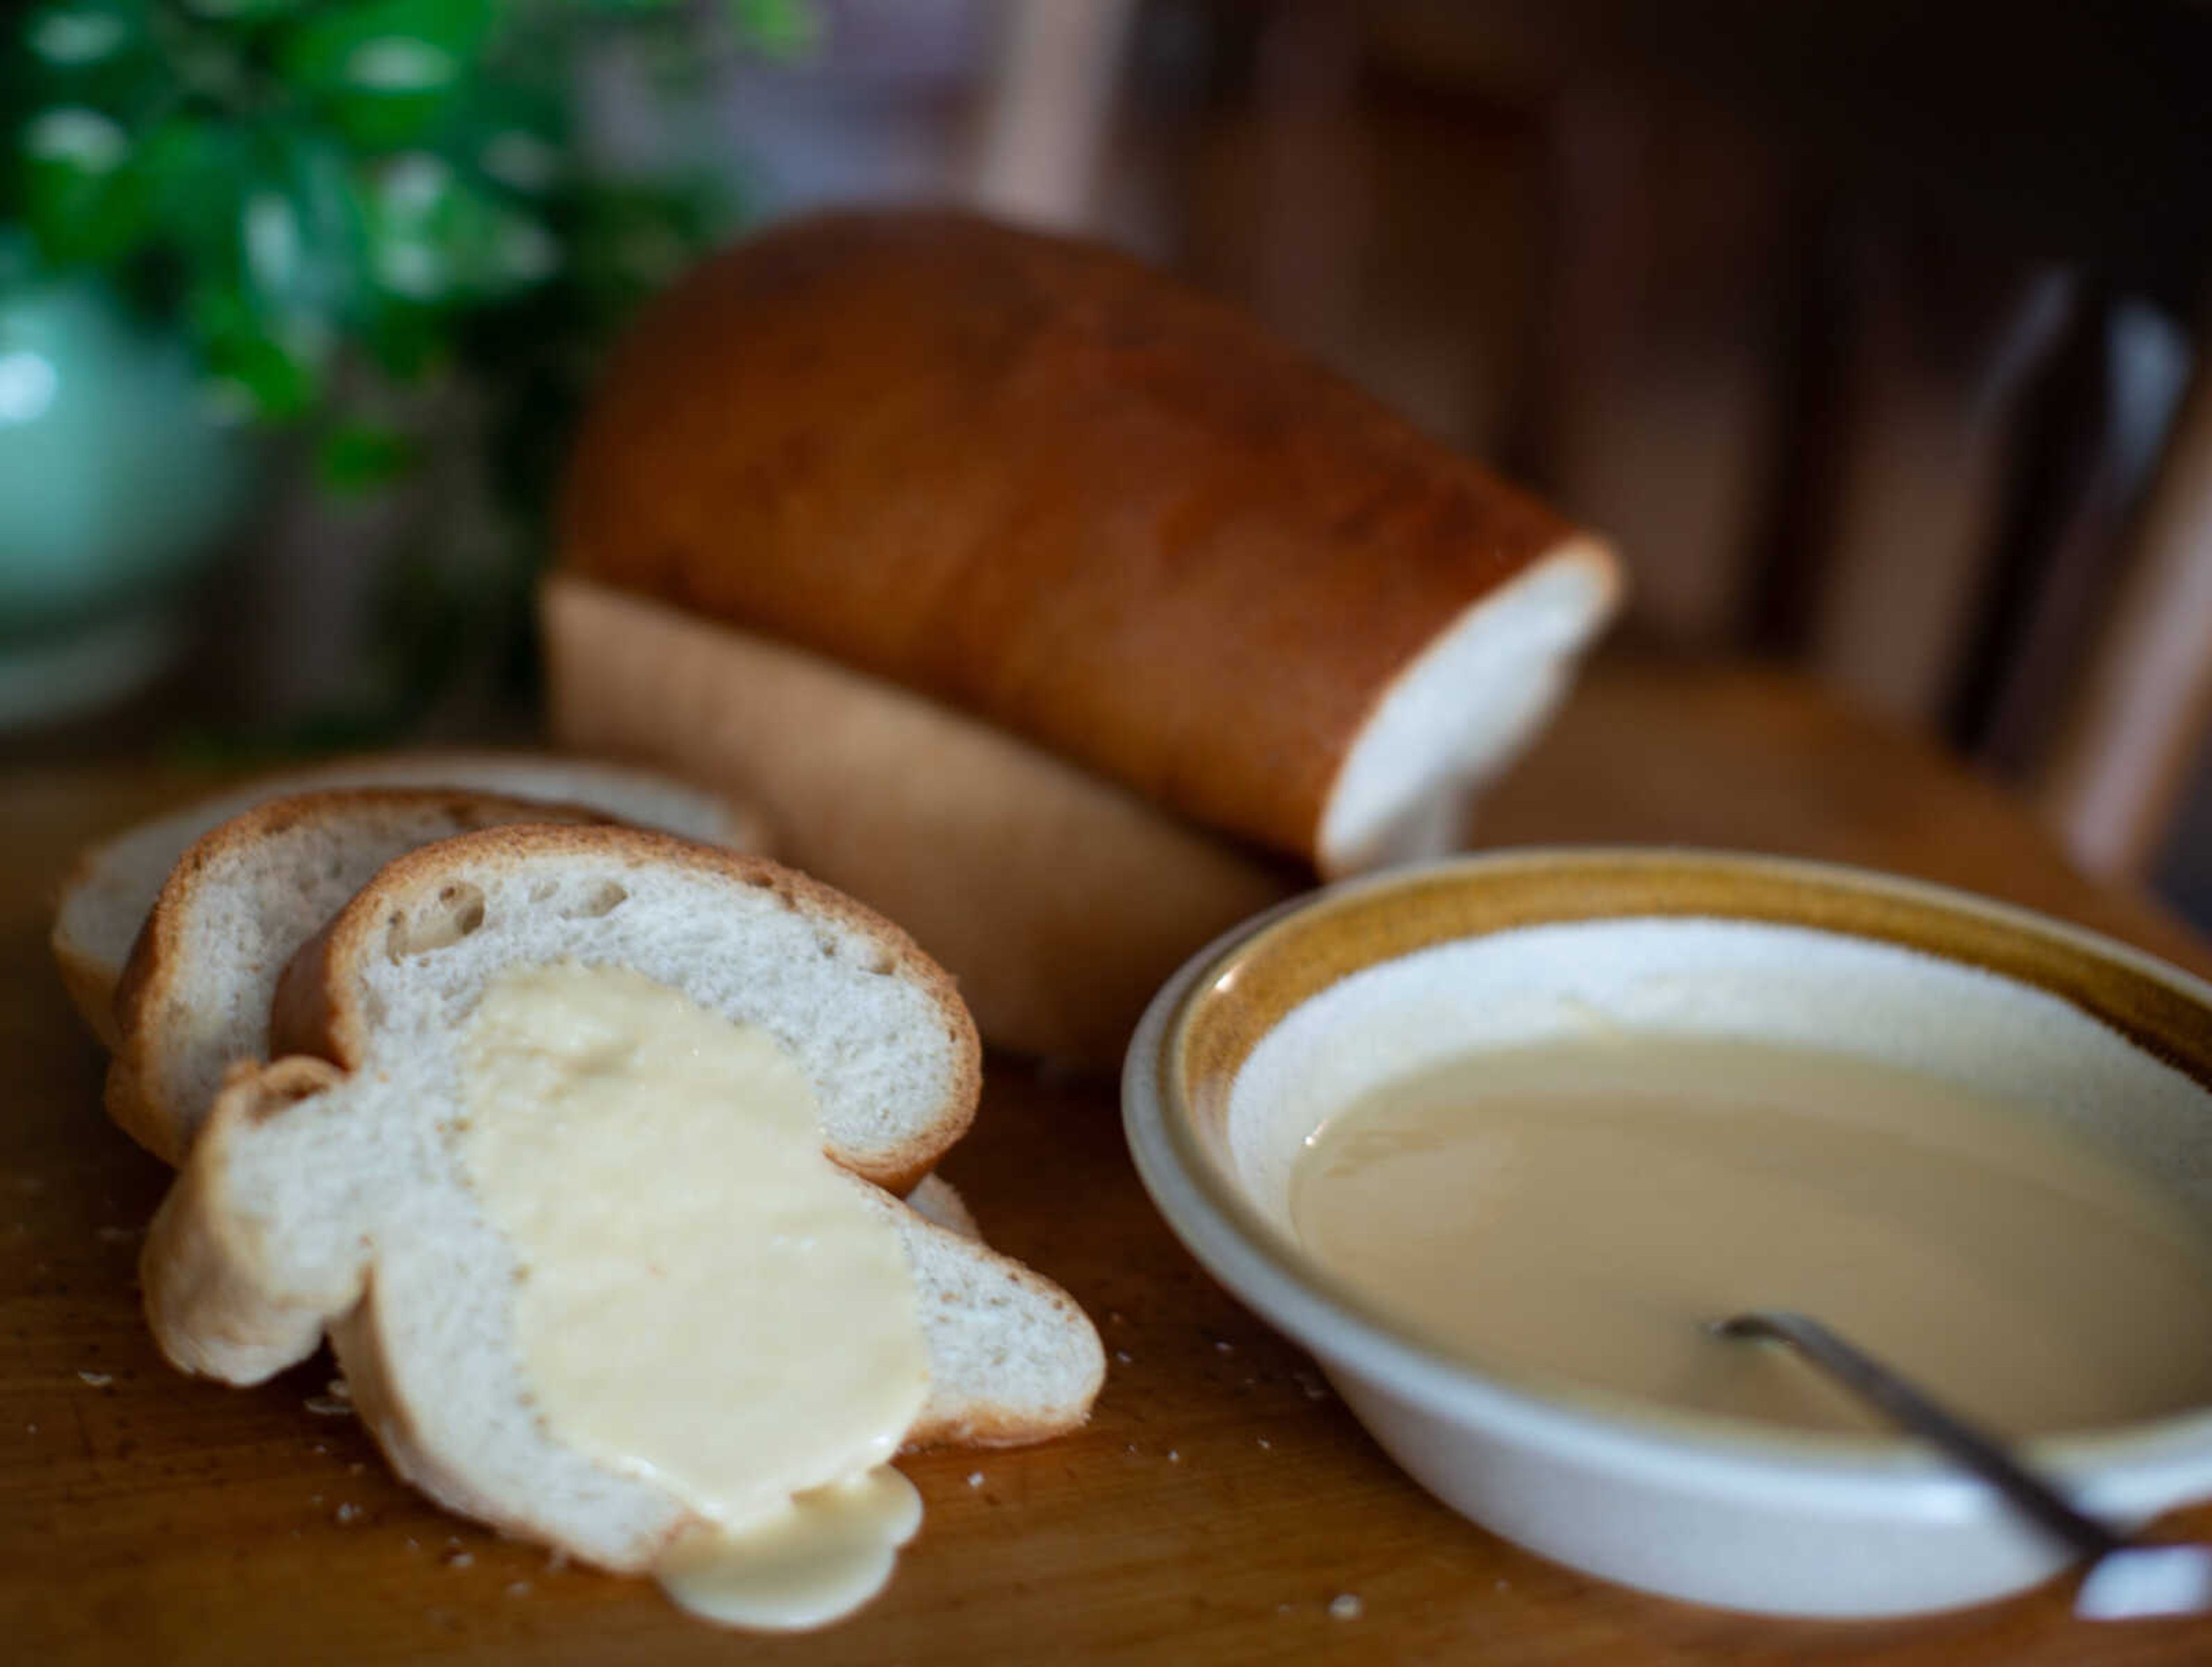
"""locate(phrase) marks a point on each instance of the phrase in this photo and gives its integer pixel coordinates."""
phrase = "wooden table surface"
(1216, 1504)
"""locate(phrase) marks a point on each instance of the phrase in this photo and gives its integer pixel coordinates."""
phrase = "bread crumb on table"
(518, 1589)
(974, 1478)
(459, 1559)
(1345, 1606)
(96, 1379)
(329, 1405)
(350, 1513)
(1122, 1355)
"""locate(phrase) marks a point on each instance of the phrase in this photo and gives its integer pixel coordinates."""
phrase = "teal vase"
(118, 478)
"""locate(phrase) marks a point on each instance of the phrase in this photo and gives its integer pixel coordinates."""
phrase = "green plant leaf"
(197, 168)
(515, 135)
(274, 378)
(82, 193)
(243, 13)
(318, 270)
(782, 29)
(388, 71)
(76, 38)
(405, 340)
(355, 459)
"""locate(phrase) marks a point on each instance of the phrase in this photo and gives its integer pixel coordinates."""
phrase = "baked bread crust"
(1036, 481)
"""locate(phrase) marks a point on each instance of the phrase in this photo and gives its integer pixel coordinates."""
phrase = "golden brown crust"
(160, 961)
(1038, 482)
(300, 1018)
(318, 1009)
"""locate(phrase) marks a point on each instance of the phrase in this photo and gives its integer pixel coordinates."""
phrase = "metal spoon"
(2124, 1581)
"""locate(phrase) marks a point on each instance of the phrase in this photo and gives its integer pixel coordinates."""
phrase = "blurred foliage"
(361, 212)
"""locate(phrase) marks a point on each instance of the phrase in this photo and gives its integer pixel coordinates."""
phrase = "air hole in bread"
(601, 896)
(438, 923)
(882, 964)
(543, 890)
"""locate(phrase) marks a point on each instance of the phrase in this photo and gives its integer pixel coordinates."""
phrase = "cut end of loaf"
(1462, 711)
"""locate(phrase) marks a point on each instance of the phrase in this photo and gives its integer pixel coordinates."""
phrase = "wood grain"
(1217, 1503)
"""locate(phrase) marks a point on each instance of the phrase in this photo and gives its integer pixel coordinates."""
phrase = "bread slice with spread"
(493, 1172)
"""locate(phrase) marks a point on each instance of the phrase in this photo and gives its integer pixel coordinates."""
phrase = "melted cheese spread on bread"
(702, 1298)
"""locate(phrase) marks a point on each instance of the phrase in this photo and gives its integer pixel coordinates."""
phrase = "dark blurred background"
(1869, 331)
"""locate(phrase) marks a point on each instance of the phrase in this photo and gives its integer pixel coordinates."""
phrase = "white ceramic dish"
(1283, 1020)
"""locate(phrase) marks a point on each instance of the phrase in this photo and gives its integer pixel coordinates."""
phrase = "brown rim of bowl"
(2160, 1008)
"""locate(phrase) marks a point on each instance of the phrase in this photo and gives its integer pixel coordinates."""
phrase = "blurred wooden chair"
(2135, 742)
(1831, 419)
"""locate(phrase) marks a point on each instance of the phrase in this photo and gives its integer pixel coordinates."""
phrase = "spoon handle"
(1905, 1406)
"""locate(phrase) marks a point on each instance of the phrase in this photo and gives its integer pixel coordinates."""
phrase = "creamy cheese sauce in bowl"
(1495, 1138)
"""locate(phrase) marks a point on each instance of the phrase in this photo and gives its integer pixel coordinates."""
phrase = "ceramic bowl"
(1238, 1060)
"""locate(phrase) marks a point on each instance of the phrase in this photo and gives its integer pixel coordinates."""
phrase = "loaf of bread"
(1045, 604)
(1033, 480)
(110, 888)
(324, 1194)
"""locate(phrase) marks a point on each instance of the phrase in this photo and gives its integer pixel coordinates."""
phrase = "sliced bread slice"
(195, 994)
(328, 1197)
(1092, 508)
(879, 1028)
(299, 1213)
(112, 886)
